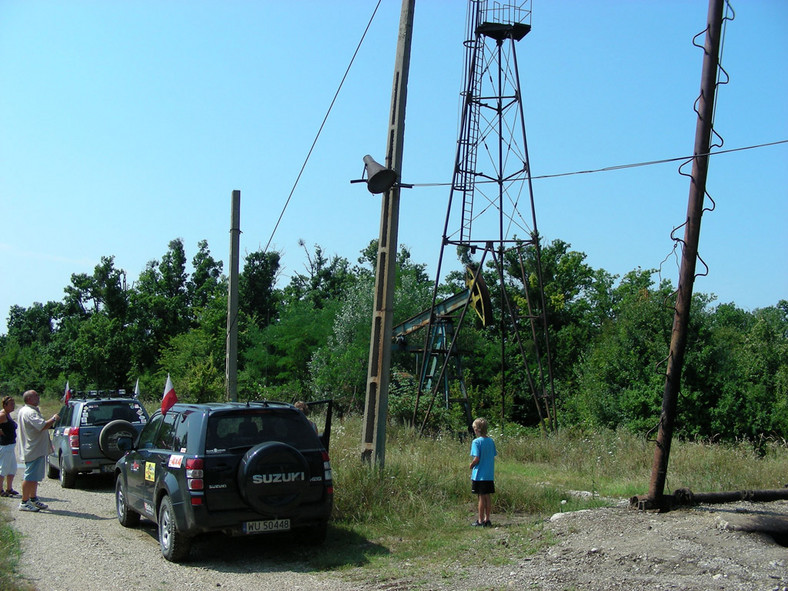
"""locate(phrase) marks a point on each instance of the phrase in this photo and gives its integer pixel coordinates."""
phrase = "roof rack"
(98, 394)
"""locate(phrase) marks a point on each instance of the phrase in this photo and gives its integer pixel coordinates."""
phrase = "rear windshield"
(247, 428)
(101, 413)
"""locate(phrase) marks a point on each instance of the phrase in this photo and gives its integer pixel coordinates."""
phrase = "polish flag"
(170, 397)
(66, 395)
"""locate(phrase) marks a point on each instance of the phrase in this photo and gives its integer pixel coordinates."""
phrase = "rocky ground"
(721, 547)
(78, 544)
(731, 547)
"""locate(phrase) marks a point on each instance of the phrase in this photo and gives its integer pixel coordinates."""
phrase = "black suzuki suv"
(237, 467)
(85, 436)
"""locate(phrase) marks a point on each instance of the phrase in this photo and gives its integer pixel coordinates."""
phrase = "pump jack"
(443, 363)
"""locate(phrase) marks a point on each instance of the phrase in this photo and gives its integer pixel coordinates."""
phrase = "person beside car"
(302, 406)
(34, 446)
(8, 463)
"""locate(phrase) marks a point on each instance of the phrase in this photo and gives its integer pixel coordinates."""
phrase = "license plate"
(259, 527)
(108, 467)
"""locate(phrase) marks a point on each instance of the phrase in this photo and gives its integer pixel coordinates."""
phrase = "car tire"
(67, 479)
(109, 435)
(126, 515)
(52, 472)
(174, 545)
(272, 477)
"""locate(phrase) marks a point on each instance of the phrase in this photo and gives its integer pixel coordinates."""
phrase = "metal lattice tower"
(491, 182)
(491, 168)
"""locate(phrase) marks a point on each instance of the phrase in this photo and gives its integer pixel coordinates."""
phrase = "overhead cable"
(336, 94)
(624, 166)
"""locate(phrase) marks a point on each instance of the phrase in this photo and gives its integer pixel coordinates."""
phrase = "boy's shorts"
(482, 487)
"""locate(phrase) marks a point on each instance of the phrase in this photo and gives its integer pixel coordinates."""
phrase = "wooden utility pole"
(373, 442)
(231, 359)
(678, 340)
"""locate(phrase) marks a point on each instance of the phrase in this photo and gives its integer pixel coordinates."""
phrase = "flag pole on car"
(169, 398)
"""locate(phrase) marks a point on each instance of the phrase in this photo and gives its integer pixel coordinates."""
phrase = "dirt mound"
(736, 547)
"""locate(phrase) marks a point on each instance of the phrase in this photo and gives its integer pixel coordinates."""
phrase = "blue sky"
(124, 125)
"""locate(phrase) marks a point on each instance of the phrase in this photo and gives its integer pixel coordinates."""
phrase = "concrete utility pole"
(373, 442)
(678, 341)
(231, 360)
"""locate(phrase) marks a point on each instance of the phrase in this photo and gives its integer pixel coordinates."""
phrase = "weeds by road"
(413, 517)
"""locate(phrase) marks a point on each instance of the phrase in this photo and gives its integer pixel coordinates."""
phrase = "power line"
(624, 166)
(320, 129)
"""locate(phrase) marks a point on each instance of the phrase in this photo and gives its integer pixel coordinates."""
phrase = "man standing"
(34, 447)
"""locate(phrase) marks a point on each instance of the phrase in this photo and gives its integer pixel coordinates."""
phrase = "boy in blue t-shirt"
(483, 470)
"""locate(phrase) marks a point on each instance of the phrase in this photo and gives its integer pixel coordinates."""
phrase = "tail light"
(328, 477)
(73, 439)
(194, 479)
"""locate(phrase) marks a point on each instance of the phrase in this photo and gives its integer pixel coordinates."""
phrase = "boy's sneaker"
(38, 503)
(28, 506)
(3, 493)
(12, 493)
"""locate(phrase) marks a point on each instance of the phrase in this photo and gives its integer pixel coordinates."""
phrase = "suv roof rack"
(98, 394)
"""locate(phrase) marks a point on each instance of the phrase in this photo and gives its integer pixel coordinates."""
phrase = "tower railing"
(508, 13)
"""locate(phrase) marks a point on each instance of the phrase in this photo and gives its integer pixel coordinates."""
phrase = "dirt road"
(78, 544)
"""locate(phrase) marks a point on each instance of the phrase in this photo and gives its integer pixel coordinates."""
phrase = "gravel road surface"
(78, 544)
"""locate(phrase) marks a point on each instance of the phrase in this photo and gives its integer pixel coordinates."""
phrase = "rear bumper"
(198, 519)
(74, 464)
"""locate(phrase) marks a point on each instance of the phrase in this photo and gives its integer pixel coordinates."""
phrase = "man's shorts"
(34, 471)
(482, 487)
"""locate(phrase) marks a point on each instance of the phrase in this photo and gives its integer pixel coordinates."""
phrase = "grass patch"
(411, 521)
(10, 550)
(416, 512)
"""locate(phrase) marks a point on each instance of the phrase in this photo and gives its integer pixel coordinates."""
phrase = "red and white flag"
(66, 395)
(170, 397)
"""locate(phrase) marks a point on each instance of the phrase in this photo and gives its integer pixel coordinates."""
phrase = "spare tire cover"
(108, 438)
(272, 477)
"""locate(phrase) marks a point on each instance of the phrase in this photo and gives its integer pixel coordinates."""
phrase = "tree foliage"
(309, 339)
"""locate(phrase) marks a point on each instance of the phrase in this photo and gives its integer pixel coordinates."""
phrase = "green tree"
(258, 298)
(339, 367)
(160, 306)
(326, 279)
(173, 287)
(91, 346)
(578, 298)
(101, 351)
(621, 378)
(104, 291)
(148, 328)
(206, 279)
(765, 368)
(191, 357)
(577, 302)
(35, 324)
(278, 356)
(20, 367)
